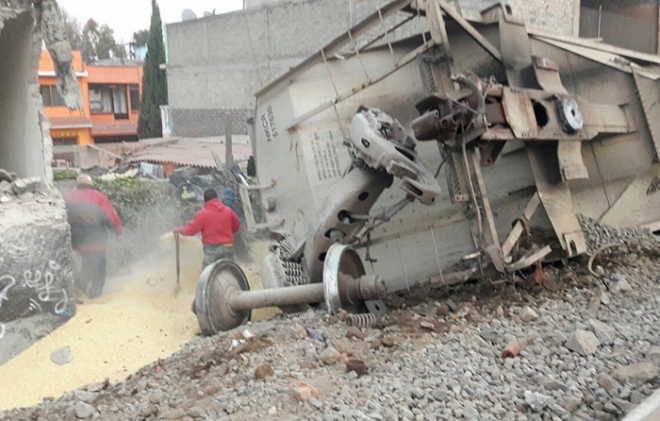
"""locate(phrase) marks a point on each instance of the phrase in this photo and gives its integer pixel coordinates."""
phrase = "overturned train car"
(467, 148)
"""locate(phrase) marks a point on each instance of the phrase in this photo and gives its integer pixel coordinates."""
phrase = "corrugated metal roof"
(114, 129)
(191, 152)
(70, 122)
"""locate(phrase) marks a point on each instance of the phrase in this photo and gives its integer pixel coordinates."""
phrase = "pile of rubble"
(17, 189)
(574, 356)
(598, 235)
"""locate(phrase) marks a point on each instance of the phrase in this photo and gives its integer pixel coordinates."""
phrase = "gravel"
(415, 372)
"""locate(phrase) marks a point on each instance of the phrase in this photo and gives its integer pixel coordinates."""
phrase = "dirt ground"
(136, 321)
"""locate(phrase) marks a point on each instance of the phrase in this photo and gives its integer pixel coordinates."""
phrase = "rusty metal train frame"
(513, 93)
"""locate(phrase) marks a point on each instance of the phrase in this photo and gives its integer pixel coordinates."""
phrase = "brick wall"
(216, 64)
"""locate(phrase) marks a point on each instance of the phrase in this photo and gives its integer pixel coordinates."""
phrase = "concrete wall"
(21, 141)
(217, 63)
(35, 245)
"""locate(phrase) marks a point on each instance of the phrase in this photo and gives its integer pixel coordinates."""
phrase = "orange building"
(111, 97)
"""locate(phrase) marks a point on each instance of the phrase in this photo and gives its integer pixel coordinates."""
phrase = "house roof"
(72, 122)
(192, 152)
(114, 129)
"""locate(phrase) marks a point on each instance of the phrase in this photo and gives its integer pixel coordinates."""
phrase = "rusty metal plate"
(649, 93)
(571, 163)
(519, 113)
(555, 195)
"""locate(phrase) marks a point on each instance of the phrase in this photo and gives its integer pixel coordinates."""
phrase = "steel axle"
(224, 301)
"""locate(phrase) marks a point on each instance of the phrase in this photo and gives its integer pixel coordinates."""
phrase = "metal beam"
(490, 48)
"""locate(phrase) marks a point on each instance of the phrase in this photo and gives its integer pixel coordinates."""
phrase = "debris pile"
(441, 359)
(598, 235)
(14, 189)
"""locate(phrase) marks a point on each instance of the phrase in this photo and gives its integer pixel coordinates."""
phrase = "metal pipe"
(277, 297)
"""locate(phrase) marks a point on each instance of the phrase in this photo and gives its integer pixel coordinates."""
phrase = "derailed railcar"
(522, 130)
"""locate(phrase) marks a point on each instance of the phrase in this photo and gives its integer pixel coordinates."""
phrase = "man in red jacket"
(218, 224)
(90, 215)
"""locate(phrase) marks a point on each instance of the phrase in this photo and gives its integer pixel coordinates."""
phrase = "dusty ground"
(136, 321)
(590, 351)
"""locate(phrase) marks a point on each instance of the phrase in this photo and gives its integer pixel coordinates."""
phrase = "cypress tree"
(154, 80)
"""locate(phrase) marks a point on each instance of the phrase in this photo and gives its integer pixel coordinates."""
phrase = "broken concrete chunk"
(84, 410)
(604, 333)
(552, 385)
(528, 315)
(304, 392)
(583, 342)
(607, 383)
(536, 401)
(636, 373)
(621, 285)
(84, 396)
(354, 332)
(654, 355)
(329, 356)
(28, 185)
(5, 187)
(62, 356)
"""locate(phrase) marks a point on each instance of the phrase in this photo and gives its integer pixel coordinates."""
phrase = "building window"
(50, 96)
(109, 99)
(100, 100)
(65, 141)
(135, 98)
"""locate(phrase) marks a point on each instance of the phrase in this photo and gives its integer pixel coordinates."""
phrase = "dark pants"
(213, 253)
(92, 276)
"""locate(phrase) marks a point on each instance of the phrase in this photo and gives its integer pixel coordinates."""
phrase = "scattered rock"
(528, 315)
(272, 410)
(605, 298)
(553, 385)
(573, 403)
(388, 342)
(355, 332)
(329, 356)
(604, 333)
(62, 356)
(451, 305)
(470, 412)
(607, 383)
(426, 325)
(636, 373)
(84, 396)
(174, 414)
(442, 310)
(84, 410)
(263, 371)
(28, 185)
(583, 342)
(5, 176)
(536, 401)
(157, 398)
(621, 285)
(304, 392)
(316, 403)
(653, 355)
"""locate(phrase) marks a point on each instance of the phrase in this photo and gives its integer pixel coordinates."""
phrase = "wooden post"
(229, 157)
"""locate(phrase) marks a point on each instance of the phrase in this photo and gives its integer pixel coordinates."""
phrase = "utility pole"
(229, 157)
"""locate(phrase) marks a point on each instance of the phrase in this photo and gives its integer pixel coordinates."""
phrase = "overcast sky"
(128, 16)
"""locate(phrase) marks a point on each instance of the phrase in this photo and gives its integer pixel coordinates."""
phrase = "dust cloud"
(136, 321)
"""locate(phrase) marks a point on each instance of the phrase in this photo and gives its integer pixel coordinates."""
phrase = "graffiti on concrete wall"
(45, 290)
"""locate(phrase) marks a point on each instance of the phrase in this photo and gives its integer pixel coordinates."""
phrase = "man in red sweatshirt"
(90, 215)
(218, 224)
